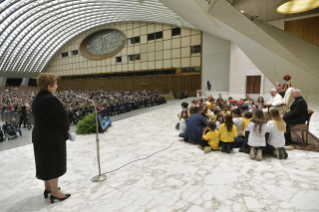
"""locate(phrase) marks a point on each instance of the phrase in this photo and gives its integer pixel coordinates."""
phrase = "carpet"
(298, 143)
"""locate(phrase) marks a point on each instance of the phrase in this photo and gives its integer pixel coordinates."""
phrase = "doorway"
(253, 84)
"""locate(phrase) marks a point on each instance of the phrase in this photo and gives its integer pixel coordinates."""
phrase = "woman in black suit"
(49, 135)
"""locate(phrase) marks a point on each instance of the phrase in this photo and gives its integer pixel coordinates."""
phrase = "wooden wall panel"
(164, 83)
(307, 28)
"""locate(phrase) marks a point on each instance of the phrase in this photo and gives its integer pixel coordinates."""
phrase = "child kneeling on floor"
(212, 137)
(227, 132)
(276, 141)
(257, 132)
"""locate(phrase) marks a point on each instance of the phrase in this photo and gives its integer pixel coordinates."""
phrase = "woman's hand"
(69, 129)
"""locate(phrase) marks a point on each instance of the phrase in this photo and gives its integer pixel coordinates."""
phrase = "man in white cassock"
(275, 100)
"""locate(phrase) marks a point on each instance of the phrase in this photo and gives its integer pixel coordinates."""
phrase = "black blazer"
(298, 111)
(51, 121)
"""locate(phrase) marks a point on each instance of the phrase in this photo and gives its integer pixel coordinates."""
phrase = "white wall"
(215, 63)
(241, 67)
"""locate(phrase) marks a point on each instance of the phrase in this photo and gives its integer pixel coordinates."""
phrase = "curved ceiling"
(32, 31)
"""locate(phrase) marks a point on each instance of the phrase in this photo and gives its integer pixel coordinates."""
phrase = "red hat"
(233, 100)
(287, 77)
(240, 102)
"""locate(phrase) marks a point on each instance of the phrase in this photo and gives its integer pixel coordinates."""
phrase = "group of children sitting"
(234, 127)
(9, 129)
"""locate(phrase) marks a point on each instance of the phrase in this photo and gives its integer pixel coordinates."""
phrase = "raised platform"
(181, 178)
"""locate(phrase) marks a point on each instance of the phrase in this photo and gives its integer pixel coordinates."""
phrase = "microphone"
(100, 177)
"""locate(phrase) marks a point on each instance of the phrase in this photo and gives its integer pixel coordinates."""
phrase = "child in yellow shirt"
(227, 133)
(212, 137)
(247, 118)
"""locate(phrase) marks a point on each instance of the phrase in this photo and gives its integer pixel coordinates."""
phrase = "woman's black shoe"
(223, 147)
(228, 149)
(53, 198)
(46, 193)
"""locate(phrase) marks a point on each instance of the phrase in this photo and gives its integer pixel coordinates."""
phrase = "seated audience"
(182, 123)
(257, 132)
(212, 137)
(15, 126)
(194, 127)
(234, 104)
(227, 132)
(276, 140)
(219, 120)
(238, 121)
(248, 99)
(298, 113)
(260, 102)
(274, 101)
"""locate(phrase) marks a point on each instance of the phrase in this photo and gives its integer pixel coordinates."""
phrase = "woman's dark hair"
(220, 115)
(197, 109)
(229, 122)
(184, 105)
(204, 107)
(216, 110)
(248, 114)
(262, 101)
(258, 119)
(191, 110)
(236, 111)
(212, 125)
(184, 111)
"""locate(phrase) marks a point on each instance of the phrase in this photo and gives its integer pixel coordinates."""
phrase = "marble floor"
(180, 178)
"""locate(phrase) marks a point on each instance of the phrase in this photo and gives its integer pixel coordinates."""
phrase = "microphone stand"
(100, 177)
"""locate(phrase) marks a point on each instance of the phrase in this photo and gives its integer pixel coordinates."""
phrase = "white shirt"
(276, 137)
(238, 121)
(217, 125)
(182, 125)
(255, 139)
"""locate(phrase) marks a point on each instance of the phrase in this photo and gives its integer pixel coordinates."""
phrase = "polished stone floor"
(180, 178)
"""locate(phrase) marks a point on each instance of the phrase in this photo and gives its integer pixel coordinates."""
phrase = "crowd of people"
(19, 100)
(253, 127)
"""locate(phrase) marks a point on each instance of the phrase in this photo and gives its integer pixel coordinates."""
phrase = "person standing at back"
(49, 135)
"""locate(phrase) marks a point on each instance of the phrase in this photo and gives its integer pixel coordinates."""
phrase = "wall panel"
(307, 28)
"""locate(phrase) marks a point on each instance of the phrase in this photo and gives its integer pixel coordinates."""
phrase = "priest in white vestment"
(275, 100)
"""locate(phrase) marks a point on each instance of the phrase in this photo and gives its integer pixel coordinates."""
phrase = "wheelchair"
(10, 134)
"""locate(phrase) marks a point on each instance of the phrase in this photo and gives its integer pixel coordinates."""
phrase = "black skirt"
(50, 161)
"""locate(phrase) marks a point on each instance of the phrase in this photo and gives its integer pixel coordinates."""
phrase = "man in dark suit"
(195, 125)
(298, 113)
(23, 114)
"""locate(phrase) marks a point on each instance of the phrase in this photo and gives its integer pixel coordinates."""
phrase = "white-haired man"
(298, 113)
(275, 100)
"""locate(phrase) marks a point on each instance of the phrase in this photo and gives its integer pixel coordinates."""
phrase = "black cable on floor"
(141, 158)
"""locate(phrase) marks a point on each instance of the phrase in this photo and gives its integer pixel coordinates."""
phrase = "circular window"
(103, 44)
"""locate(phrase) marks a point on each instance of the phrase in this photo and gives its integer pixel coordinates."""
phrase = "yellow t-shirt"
(226, 136)
(228, 112)
(245, 123)
(213, 139)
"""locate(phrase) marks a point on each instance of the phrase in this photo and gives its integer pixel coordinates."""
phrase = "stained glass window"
(105, 42)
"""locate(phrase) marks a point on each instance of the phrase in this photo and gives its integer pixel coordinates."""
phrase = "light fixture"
(242, 11)
(296, 6)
